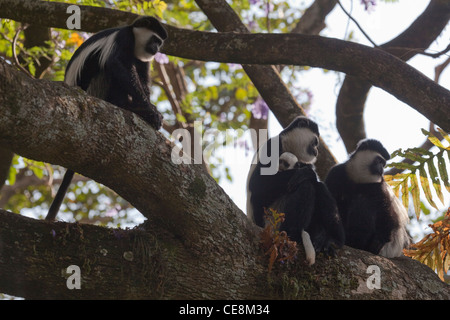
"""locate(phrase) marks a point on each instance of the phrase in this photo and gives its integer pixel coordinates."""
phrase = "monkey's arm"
(128, 84)
(270, 186)
(265, 189)
(327, 217)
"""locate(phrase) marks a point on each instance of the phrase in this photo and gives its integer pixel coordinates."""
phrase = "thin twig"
(14, 53)
(439, 69)
(357, 24)
(418, 51)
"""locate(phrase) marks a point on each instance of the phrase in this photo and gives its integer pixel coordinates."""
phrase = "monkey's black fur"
(113, 65)
(374, 219)
(305, 201)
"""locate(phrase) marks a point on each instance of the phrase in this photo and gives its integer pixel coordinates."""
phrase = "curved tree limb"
(353, 94)
(194, 232)
(313, 19)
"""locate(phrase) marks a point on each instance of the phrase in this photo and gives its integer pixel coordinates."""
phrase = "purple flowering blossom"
(368, 4)
(252, 25)
(161, 58)
(260, 109)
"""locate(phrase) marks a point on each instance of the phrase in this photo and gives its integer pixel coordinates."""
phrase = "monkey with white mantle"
(292, 187)
(114, 65)
(374, 218)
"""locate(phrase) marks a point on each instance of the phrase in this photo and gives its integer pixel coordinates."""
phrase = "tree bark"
(195, 244)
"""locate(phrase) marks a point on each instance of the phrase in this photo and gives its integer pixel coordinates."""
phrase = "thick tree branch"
(313, 19)
(372, 65)
(149, 263)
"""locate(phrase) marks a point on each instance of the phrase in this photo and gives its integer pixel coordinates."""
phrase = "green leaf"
(421, 151)
(445, 135)
(405, 193)
(403, 165)
(181, 118)
(424, 209)
(415, 192)
(443, 172)
(433, 139)
(12, 175)
(435, 180)
(398, 153)
(240, 94)
(426, 186)
(411, 154)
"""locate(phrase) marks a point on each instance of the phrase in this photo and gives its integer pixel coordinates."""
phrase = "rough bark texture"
(196, 243)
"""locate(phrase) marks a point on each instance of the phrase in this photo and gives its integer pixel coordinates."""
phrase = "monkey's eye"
(381, 161)
(155, 39)
(315, 142)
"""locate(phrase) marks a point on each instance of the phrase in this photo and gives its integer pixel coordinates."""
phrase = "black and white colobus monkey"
(113, 65)
(296, 192)
(289, 161)
(374, 218)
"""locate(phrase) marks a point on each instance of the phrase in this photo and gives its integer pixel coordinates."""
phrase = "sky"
(387, 119)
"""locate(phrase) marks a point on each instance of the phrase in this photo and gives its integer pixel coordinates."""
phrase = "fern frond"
(423, 169)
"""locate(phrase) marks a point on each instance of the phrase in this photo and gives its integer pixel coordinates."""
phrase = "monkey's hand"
(149, 113)
(300, 176)
(154, 119)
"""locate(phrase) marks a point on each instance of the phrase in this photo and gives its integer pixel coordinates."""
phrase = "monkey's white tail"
(309, 248)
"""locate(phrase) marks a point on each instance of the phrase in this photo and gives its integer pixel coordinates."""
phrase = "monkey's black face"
(147, 44)
(302, 142)
(377, 166)
(313, 148)
(149, 36)
(153, 44)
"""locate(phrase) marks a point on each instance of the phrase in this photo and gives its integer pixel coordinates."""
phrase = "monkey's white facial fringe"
(141, 37)
(358, 168)
(297, 142)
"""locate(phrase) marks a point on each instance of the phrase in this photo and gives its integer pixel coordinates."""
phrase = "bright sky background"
(387, 119)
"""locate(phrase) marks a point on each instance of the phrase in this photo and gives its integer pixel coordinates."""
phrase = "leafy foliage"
(276, 243)
(417, 176)
(433, 250)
